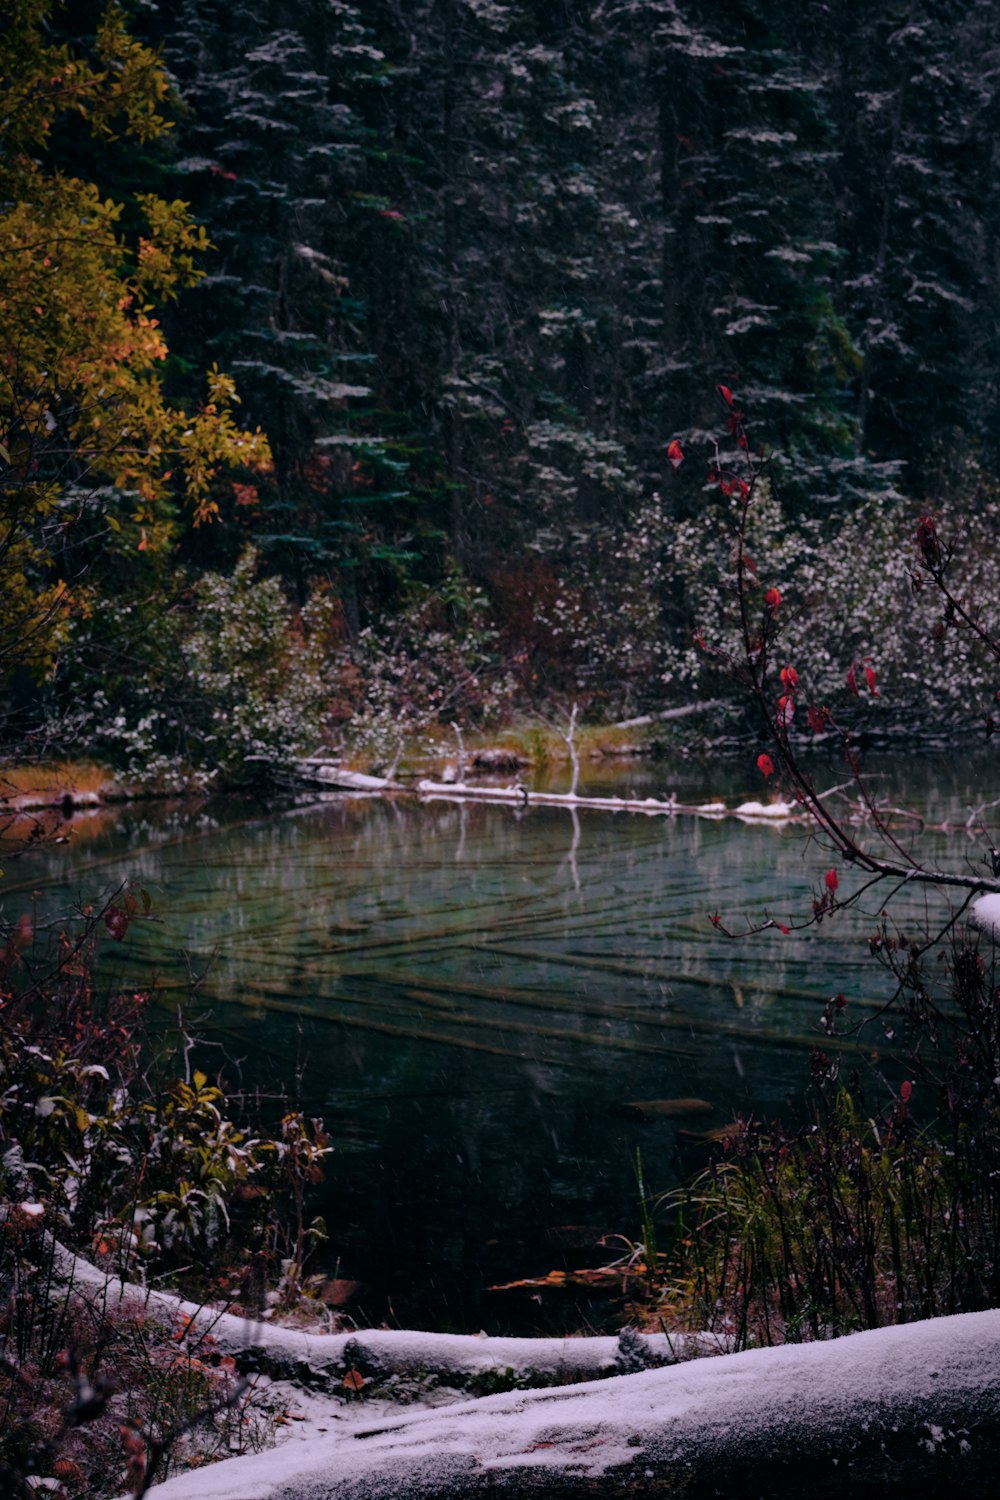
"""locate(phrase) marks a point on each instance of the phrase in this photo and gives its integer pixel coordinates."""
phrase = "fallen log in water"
(913, 1409)
(518, 795)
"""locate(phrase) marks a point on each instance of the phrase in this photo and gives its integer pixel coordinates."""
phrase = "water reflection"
(470, 994)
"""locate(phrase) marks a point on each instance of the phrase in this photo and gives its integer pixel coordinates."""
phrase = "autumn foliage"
(90, 441)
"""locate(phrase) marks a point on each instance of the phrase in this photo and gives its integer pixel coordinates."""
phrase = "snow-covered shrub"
(257, 671)
(632, 618)
(434, 662)
(224, 677)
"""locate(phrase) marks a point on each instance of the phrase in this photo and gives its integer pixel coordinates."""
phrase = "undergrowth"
(149, 1180)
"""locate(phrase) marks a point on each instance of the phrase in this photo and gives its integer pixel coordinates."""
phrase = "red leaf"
(852, 681)
(905, 1090)
(772, 599)
(870, 679)
(725, 393)
(786, 710)
(819, 718)
(783, 928)
(675, 453)
(928, 541)
(749, 564)
(766, 766)
(830, 881)
(116, 921)
(789, 678)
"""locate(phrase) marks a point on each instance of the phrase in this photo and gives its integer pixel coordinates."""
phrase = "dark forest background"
(476, 264)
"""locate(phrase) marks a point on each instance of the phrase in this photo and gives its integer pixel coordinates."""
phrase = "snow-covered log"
(518, 795)
(666, 714)
(912, 1410)
(318, 771)
(463, 1361)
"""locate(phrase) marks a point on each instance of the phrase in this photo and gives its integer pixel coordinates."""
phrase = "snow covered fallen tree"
(913, 1408)
(466, 1362)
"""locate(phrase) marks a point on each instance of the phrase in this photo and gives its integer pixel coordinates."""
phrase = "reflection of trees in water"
(551, 933)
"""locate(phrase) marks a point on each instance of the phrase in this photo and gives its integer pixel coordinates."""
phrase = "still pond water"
(470, 995)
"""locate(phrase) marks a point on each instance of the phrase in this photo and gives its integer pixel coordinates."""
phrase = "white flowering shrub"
(434, 662)
(631, 621)
(849, 595)
(257, 671)
(224, 677)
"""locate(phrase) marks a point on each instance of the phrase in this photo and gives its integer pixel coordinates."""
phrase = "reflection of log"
(665, 1109)
(912, 1410)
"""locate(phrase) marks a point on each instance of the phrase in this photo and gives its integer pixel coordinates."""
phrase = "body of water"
(472, 996)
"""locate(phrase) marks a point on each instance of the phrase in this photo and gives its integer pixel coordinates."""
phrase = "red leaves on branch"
(765, 766)
(116, 921)
(818, 718)
(870, 680)
(675, 453)
(786, 711)
(830, 881)
(728, 483)
(789, 679)
(725, 393)
(772, 599)
(928, 542)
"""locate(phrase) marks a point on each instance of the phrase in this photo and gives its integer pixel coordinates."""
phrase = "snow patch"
(773, 811)
(986, 914)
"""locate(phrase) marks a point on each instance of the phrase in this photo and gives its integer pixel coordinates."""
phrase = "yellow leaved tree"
(89, 439)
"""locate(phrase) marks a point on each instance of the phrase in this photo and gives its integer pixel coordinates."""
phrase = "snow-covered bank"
(916, 1407)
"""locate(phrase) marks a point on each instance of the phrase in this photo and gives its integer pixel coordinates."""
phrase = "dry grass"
(46, 783)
